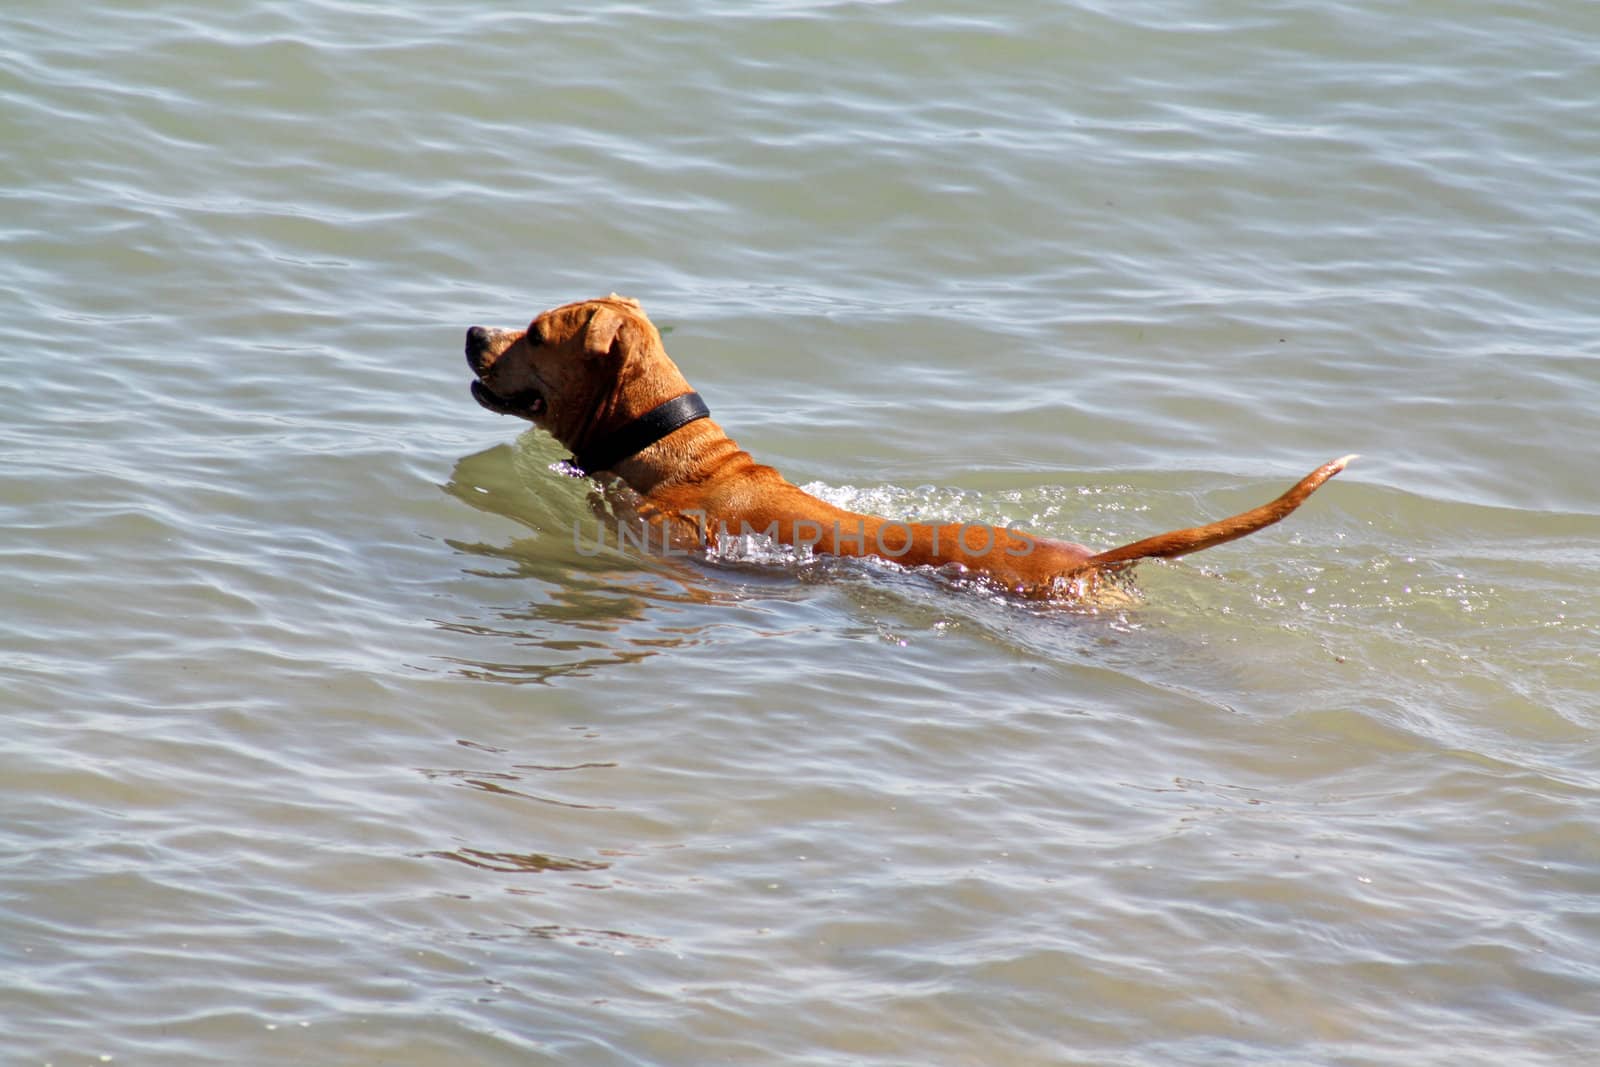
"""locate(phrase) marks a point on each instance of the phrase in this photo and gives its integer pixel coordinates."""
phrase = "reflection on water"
(583, 938)
(518, 863)
(594, 606)
(599, 601)
(495, 782)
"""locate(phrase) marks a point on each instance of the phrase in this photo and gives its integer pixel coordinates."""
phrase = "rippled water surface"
(328, 739)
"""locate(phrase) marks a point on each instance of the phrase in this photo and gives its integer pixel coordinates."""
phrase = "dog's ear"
(601, 334)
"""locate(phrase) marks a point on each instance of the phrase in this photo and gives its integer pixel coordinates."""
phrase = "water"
(326, 743)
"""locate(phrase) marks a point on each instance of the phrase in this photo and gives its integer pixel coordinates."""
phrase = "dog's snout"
(477, 346)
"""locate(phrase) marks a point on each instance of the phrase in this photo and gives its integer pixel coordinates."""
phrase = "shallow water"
(328, 740)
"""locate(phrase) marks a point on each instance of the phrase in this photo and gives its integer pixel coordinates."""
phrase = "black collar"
(641, 433)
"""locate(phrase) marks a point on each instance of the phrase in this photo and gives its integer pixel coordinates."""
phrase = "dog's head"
(578, 370)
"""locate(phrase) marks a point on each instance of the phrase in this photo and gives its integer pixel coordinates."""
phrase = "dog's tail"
(1182, 542)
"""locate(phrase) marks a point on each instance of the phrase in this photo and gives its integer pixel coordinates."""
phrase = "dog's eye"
(534, 337)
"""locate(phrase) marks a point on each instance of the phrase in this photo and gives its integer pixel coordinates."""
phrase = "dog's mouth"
(529, 403)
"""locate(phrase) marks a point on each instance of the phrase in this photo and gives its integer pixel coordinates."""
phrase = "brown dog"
(595, 375)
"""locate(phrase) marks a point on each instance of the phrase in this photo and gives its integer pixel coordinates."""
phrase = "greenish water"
(328, 741)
